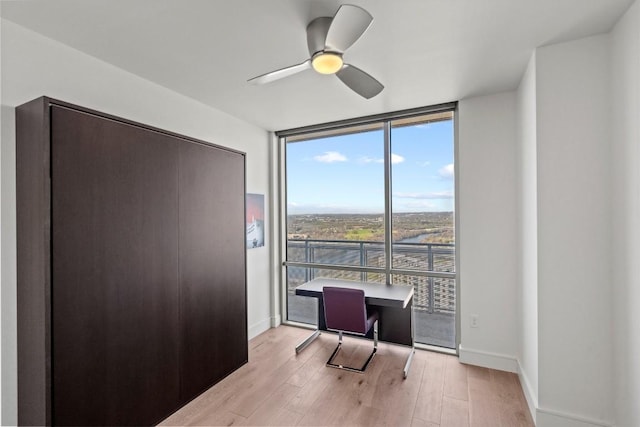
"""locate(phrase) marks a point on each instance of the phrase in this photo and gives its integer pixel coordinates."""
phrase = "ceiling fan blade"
(280, 74)
(359, 81)
(347, 26)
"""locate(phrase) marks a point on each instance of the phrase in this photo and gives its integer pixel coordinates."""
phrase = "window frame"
(364, 123)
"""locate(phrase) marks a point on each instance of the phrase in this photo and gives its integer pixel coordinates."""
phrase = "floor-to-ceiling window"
(373, 200)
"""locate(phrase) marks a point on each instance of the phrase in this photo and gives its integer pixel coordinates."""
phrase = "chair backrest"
(345, 309)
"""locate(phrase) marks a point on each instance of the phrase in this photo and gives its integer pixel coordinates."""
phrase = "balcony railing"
(432, 294)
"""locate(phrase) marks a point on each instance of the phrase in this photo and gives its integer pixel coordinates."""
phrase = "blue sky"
(345, 174)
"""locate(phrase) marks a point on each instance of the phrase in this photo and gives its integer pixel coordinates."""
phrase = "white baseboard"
(501, 362)
(259, 327)
(551, 418)
(276, 321)
(544, 417)
(530, 396)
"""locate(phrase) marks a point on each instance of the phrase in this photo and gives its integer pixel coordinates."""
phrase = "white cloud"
(366, 159)
(446, 172)
(395, 159)
(424, 164)
(425, 196)
(331, 157)
(420, 204)
(331, 208)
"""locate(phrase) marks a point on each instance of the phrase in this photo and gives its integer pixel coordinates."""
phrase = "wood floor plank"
(496, 398)
(278, 387)
(455, 413)
(513, 407)
(365, 416)
(304, 401)
(417, 422)
(248, 399)
(478, 372)
(455, 382)
(218, 418)
(484, 407)
(335, 402)
(273, 412)
(395, 395)
(260, 339)
(429, 401)
(368, 382)
(302, 376)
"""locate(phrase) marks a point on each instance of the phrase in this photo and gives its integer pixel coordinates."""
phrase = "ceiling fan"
(327, 39)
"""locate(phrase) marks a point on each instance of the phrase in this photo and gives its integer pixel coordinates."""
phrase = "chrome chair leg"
(348, 368)
(375, 335)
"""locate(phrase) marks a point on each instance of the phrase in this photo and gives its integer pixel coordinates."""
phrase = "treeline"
(434, 227)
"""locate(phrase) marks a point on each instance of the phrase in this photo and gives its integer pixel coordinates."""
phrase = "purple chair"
(345, 311)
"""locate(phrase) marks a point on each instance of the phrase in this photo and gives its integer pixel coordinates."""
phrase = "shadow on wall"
(8, 267)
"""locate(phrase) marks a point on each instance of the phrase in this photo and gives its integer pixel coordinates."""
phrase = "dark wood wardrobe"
(131, 267)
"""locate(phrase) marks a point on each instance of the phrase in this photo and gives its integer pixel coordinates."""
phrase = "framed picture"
(255, 220)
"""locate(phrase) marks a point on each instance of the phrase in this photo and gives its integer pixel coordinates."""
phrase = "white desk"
(394, 303)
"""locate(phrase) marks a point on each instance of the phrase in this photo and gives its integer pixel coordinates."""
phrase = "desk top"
(374, 293)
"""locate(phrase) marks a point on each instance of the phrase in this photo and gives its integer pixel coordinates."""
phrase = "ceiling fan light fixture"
(327, 62)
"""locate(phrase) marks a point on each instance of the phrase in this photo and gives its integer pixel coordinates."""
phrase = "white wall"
(33, 66)
(2, 347)
(626, 216)
(528, 236)
(487, 197)
(574, 227)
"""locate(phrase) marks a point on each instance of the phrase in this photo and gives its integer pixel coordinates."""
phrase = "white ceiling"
(424, 51)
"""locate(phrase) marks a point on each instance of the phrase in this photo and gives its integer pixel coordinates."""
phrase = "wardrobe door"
(212, 266)
(115, 272)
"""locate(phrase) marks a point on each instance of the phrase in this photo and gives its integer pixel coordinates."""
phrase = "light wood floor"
(278, 387)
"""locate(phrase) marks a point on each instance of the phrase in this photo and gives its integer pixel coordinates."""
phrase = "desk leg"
(308, 341)
(413, 345)
(409, 360)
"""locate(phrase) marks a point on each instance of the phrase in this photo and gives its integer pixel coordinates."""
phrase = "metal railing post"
(430, 256)
(431, 299)
(306, 259)
(431, 279)
(363, 262)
